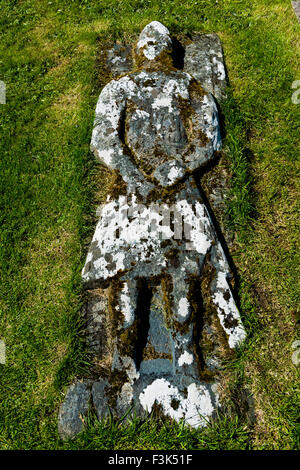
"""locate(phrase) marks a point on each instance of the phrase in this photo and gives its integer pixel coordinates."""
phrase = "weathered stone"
(73, 410)
(171, 317)
(96, 318)
(100, 398)
(119, 59)
(296, 6)
(216, 184)
(203, 60)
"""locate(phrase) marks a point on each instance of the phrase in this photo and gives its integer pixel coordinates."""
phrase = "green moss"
(165, 243)
(167, 290)
(162, 63)
(226, 295)
(167, 195)
(172, 257)
(187, 113)
(196, 91)
(150, 353)
(230, 322)
(175, 404)
(103, 73)
(196, 320)
(117, 379)
(117, 186)
(127, 339)
(157, 412)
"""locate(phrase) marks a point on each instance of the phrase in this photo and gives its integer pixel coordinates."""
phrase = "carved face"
(154, 39)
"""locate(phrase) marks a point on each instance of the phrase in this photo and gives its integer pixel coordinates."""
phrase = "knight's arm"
(199, 114)
(204, 128)
(106, 143)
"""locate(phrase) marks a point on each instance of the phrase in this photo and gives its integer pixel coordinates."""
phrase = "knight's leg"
(123, 304)
(222, 297)
(181, 318)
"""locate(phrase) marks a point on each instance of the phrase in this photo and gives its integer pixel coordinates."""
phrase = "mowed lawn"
(50, 187)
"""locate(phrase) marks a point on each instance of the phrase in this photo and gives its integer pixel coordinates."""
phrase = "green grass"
(153, 434)
(50, 187)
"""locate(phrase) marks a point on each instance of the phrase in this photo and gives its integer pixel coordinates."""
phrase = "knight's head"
(153, 41)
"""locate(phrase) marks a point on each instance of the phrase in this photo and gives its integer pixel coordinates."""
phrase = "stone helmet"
(153, 40)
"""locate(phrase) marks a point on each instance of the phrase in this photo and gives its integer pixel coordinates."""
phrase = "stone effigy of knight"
(171, 313)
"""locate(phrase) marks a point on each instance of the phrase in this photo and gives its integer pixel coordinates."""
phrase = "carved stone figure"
(169, 312)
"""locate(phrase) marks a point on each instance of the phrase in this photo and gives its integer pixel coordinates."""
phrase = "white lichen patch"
(163, 101)
(169, 172)
(126, 395)
(185, 358)
(220, 68)
(193, 409)
(128, 231)
(183, 307)
(106, 156)
(178, 87)
(198, 229)
(141, 114)
(128, 304)
(227, 309)
(175, 173)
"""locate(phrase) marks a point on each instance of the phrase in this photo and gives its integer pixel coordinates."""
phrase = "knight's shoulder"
(118, 86)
